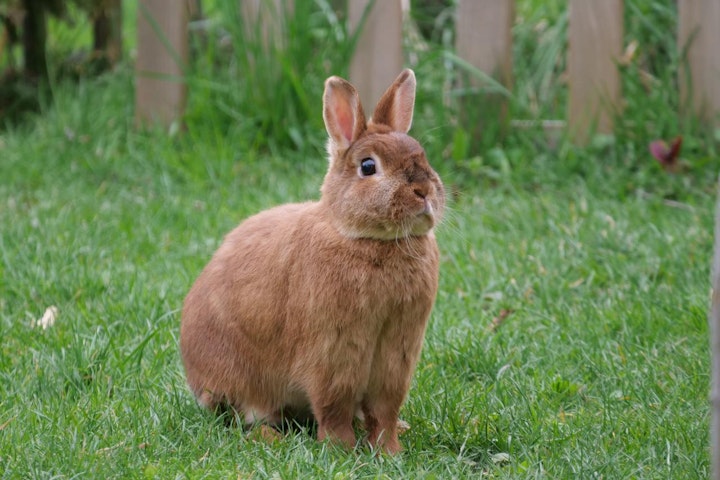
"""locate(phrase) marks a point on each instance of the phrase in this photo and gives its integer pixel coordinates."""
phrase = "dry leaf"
(500, 458)
(48, 318)
(497, 321)
(629, 54)
(2, 427)
(264, 433)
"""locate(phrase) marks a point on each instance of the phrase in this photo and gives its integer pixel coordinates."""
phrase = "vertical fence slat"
(714, 320)
(484, 36)
(160, 91)
(595, 38)
(484, 40)
(34, 38)
(107, 31)
(378, 57)
(699, 38)
(194, 8)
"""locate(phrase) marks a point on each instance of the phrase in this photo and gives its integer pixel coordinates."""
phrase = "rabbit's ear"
(395, 107)
(342, 112)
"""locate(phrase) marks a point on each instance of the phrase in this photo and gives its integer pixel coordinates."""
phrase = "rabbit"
(321, 307)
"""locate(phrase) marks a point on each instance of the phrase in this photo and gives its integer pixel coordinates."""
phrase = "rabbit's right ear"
(342, 112)
(395, 107)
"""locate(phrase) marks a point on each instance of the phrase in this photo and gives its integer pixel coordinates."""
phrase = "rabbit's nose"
(421, 192)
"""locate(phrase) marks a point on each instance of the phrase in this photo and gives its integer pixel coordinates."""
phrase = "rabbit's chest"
(396, 280)
(362, 281)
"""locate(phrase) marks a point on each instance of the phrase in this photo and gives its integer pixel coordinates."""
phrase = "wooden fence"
(483, 39)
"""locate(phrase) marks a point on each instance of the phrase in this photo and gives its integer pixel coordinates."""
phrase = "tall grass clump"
(262, 82)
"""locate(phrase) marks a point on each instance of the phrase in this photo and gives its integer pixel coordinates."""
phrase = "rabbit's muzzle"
(429, 207)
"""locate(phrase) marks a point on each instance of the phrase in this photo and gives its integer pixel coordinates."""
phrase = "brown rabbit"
(321, 307)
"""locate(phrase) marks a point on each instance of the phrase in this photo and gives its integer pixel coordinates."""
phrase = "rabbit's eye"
(367, 167)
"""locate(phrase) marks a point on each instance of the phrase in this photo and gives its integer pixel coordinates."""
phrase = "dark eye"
(367, 167)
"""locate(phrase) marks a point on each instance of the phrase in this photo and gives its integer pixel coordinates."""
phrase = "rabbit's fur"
(321, 307)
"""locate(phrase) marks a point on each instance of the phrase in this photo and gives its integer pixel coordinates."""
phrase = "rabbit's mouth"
(423, 222)
(419, 223)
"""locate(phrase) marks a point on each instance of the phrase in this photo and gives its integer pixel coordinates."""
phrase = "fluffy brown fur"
(321, 307)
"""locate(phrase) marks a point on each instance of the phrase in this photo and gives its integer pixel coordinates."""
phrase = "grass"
(569, 338)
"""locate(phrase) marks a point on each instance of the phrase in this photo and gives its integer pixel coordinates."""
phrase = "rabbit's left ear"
(395, 107)
(342, 112)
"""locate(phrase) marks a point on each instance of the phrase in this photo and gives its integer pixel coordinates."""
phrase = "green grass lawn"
(569, 337)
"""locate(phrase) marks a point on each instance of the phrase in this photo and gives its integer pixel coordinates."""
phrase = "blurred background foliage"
(267, 98)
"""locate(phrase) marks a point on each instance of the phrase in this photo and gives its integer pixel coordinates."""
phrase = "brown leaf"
(497, 321)
(264, 433)
(402, 426)
(4, 425)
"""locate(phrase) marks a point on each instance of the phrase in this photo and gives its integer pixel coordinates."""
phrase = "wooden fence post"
(484, 40)
(595, 37)
(107, 31)
(714, 319)
(34, 38)
(160, 89)
(378, 57)
(699, 39)
(484, 36)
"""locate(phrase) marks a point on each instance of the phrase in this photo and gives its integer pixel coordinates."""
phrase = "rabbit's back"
(234, 316)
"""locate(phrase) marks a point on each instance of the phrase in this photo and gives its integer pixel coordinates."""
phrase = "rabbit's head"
(379, 183)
